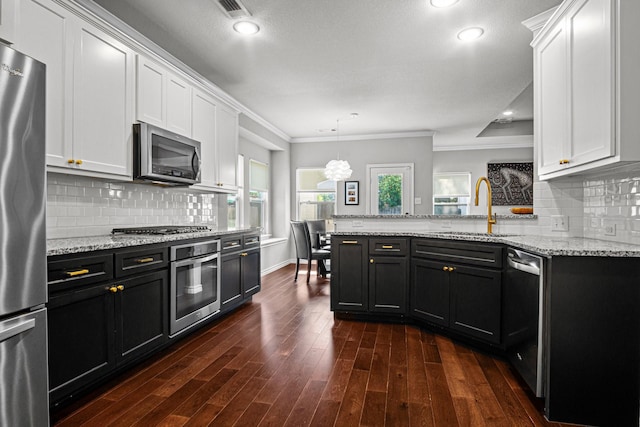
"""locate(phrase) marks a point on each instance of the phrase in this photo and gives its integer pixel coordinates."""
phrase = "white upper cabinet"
(102, 103)
(163, 99)
(8, 9)
(89, 101)
(227, 145)
(204, 130)
(580, 59)
(216, 127)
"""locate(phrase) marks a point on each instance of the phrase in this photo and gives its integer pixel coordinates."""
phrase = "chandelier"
(339, 170)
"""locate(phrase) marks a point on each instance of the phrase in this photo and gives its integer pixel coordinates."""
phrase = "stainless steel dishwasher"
(524, 292)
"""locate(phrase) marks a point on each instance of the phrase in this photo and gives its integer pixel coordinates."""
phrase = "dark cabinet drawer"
(133, 262)
(388, 246)
(77, 272)
(251, 241)
(482, 254)
(231, 243)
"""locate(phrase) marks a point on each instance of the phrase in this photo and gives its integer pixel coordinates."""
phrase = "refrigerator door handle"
(14, 330)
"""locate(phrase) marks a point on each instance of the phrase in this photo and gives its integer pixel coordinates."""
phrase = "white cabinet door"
(178, 105)
(551, 93)
(592, 84)
(204, 130)
(227, 144)
(150, 81)
(163, 99)
(44, 35)
(102, 103)
(575, 66)
(8, 9)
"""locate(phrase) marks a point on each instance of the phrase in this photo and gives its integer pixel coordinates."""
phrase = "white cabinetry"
(227, 147)
(578, 93)
(216, 126)
(163, 98)
(8, 20)
(89, 90)
(204, 130)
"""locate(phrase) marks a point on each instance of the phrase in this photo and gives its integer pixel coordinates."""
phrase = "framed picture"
(511, 183)
(351, 193)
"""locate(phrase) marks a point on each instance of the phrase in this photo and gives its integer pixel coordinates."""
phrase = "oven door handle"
(196, 260)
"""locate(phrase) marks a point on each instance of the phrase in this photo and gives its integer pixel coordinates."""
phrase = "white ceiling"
(397, 63)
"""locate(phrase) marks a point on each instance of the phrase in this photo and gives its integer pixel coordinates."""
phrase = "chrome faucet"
(490, 219)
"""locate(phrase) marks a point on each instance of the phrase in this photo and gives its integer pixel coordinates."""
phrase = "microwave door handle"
(196, 163)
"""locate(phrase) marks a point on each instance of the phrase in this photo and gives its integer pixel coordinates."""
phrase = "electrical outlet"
(445, 224)
(357, 223)
(595, 222)
(610, 230)
(417, 201)
(559, 223)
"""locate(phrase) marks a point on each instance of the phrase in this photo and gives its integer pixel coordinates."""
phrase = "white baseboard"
(277, 266)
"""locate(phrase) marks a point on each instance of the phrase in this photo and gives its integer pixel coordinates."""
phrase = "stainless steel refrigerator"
(23, 275)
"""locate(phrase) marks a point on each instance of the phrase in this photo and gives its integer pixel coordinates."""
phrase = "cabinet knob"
(113, 289)
(445, 268)
(451, 268)
(120, 288)
(78, 162)
(564, 162)
(70, 161)
(244, 254)
(371, 261)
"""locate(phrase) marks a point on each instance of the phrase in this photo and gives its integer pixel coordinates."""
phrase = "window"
(234, 201)
(258, 195)
(451, 193)
(316, 196)
(391, 189)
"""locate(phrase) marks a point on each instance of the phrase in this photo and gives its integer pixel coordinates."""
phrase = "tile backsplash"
(612, 207)
(80, 206)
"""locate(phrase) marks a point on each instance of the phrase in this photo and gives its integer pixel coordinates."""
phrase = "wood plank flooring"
(283, 360)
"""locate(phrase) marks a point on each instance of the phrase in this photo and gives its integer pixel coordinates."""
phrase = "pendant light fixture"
(339, 170)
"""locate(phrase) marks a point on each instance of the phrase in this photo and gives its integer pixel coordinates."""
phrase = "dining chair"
(317, 229)
(304, 250)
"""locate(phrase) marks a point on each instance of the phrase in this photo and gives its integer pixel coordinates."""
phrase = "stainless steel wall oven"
(195, 284)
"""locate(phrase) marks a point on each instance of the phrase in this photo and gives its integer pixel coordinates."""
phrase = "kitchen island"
(454, 283)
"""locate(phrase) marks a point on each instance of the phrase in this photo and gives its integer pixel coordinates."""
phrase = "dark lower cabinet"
(369, 275)
(349, 274)
(95, 329)
(81, 339)
(388, 284)
(239, 269)
(463, 298)
(430, 291)
(476, 302)
(141, 315)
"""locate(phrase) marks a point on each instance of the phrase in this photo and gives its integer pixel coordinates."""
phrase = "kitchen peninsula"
(458, 283)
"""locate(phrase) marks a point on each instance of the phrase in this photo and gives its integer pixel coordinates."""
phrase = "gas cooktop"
(162, 229)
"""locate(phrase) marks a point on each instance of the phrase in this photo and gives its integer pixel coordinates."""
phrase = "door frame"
(407, 184)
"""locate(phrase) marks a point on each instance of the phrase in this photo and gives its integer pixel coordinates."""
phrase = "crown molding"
(494, 146)
(363, 137)
(142, 44)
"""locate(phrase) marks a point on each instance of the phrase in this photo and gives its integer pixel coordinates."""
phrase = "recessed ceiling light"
(443, 3)
(469, 34)
(246, 27)
(507, 113)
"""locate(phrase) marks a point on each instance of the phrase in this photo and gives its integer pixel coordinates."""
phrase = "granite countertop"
(543, 245)
(444, 217)
(96, 243)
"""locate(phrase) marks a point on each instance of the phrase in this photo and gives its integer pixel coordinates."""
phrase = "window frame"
(298, 191)
(435, 195)
(266, 229)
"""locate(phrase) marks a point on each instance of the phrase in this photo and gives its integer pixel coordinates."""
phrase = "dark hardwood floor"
(283, 360)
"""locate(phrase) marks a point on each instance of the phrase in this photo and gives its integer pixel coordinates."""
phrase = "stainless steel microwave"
(163, 156)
